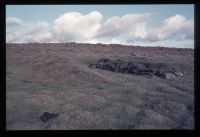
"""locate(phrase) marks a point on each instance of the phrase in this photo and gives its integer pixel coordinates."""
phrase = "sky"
(144, 25)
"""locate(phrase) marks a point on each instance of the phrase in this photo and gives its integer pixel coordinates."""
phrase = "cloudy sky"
(144, 25)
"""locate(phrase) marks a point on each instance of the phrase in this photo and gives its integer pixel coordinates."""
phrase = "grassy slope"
(56, 78)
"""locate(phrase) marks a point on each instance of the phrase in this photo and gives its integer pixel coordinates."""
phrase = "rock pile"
(128, 67)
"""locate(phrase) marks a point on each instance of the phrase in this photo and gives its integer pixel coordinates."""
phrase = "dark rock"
(103, 60)
(158, 73)
(148, 71)
(131, 125)
(47, 116)
(99, 88)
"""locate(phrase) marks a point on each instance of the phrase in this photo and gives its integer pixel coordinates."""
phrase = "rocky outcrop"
(121, 66)
(115, 66)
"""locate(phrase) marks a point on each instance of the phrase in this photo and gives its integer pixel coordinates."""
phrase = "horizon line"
(118, 44)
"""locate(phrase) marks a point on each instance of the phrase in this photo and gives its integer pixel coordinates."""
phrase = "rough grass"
(56, 78)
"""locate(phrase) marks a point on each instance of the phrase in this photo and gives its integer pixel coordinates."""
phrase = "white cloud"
(126, 29)
(74, 26)
(38, 32)
(13, 21)
(175, 27)
(130, 24)
(12, 36)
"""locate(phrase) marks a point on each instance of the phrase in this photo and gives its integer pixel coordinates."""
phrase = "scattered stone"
(168, 75)
(178, 73)
(47, 116)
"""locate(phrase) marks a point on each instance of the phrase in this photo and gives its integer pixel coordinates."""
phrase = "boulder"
(47, 116)
(168, 75)
(178, 73)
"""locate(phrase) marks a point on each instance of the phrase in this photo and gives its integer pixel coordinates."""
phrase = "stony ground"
(55, 78)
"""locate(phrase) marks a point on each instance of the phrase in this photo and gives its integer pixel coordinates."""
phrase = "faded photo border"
(3, 4)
